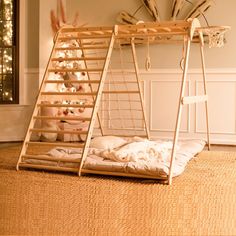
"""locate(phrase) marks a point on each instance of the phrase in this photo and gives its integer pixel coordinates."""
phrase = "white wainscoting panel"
(162, 95)
(222, 107)
(164, 98)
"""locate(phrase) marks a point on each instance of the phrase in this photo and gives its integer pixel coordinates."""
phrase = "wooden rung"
(95, 43)
(99, 32)
(66, 105)
(94, 47)
(62, 118)
(79, 59)
(81, 36)
(67, 48)
(86, 29)
(58, 131)
(167, 29)
(86, 33)
(152, 29)
(150, 34)
(75, 70)
(73, 81)
(50, 158)
(124, 31)
(124, 174)
(56, 144)
(45, 167)
(194, 99)
(80, 48)
(121, 91)
(69, 93)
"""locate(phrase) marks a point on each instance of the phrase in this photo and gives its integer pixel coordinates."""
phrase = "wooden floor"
(214, 147)
(199, 202)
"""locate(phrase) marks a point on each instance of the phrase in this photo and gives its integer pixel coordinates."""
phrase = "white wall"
(162, 83)
(103, 12)
(46, 34)
(36, 43)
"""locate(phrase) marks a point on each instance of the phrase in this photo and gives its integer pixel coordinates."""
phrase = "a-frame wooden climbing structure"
(91, 82)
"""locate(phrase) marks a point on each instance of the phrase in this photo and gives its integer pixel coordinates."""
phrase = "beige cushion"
(107, 142)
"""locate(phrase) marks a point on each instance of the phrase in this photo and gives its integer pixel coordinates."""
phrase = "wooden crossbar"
(80, 48)
(56, 144)
(72, 81)
(82, 36)
(76, 118)
(58, 131)
(49, 158)
(194, 99)
(75, 70)
(66, 105)
(46, 167)
(84, 29)
(124, 174)
(78, 59)
(70, 93)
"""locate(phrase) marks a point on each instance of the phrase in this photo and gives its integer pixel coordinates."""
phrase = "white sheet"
(138, 157)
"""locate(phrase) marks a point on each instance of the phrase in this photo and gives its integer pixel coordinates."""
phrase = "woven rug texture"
(202, 201)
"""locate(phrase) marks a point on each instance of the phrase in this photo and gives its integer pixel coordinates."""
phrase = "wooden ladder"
(66, 42)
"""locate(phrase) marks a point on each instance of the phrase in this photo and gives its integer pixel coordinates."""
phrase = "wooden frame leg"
(139, 87)
(205, 92)
(180, 107)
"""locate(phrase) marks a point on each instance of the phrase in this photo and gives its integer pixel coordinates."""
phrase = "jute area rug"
(202, 201)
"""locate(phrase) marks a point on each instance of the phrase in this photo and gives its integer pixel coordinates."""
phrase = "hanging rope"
(148, 59)
(181, 64)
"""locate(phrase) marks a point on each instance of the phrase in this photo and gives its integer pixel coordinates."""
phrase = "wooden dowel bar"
(76, 118)
(152, 30)
(78, 59)
(50, 158)
(66, 105)
(75, 70)
(124, 174)
(68, 38)
(80, 48)
(58, 131)
(73, 81)
(67, 48)
(142, 35)
(56, 144)
(45, 167)
(194, 99)
(100, 32)
(84, 29)
(70, 93)
(96, 43)
(156, 25)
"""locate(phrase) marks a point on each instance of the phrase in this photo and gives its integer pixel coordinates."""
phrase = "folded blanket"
(145, 150)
